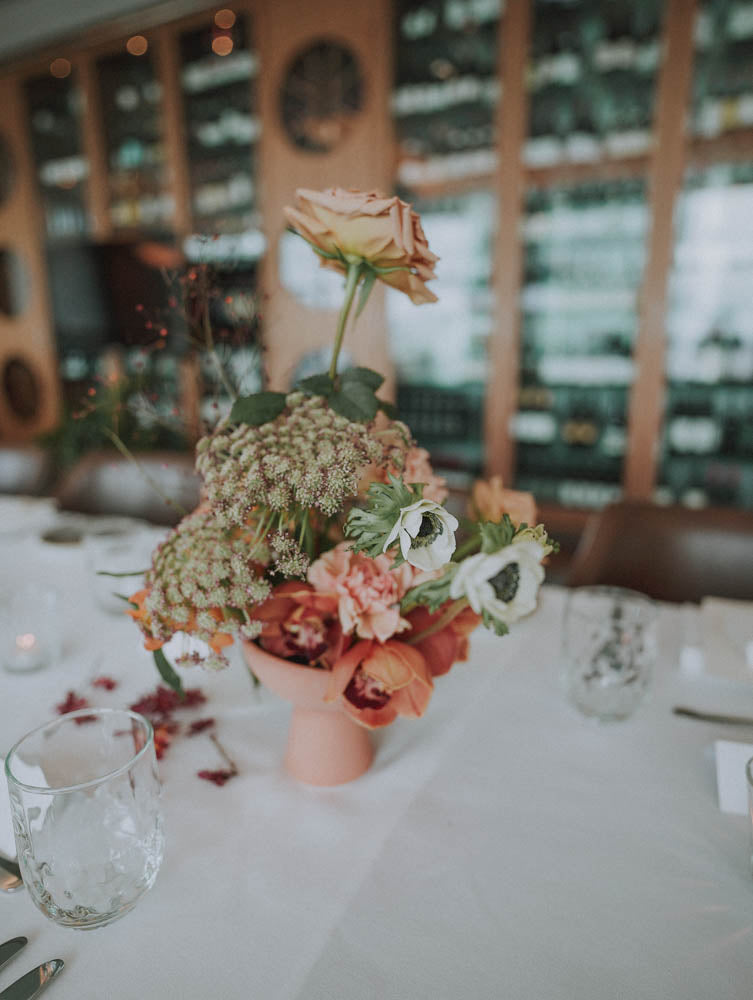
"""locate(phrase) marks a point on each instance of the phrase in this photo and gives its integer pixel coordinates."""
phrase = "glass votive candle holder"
(608, 650)
(85, 804)
(29, 629)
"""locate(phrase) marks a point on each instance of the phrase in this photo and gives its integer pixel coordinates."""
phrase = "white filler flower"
(426, 532)
(504, 584)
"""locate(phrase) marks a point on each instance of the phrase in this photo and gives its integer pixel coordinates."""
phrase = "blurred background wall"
(583, 168)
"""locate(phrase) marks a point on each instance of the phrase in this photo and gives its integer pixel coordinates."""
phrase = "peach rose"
(490, 500)
(385, 232)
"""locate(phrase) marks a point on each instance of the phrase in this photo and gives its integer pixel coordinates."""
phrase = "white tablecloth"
(500, 847)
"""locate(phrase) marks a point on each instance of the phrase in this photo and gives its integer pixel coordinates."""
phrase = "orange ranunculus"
(385, 232)
(450, 644)
(490, 500)
(376, 682)
(299, 623)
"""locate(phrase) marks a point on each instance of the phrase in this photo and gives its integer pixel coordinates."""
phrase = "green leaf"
(257, 409)
(355, 401)
(368, 283)
(136, 572)
(494, 624)
(366, 376)
(317, 385)
(495, 535)
(389, 409)
(167, 673)
(432, 594)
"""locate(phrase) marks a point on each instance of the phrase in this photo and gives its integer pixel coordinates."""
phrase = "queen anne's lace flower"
(204, 581)
(308, 457)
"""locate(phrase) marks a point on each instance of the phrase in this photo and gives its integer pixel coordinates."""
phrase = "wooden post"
(670, 146)
(167, 67)
(93, 140)
(504, 346)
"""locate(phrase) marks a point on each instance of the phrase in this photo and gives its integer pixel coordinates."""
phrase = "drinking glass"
(85, 803)
(29, 628)
(749, 777)
(608, 650)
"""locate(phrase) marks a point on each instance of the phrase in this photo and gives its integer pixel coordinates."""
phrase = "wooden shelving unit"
(502, 52)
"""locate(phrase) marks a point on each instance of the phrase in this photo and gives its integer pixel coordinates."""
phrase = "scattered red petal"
(73, 703)
(91, 391)
(218, 777)
(199, 726)
(162, 739)
(139, 308)
(105, 682)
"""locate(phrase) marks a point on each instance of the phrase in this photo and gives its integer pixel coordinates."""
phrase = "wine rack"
(707, 448)
(446, 90)
(54, 109)
(139, 196)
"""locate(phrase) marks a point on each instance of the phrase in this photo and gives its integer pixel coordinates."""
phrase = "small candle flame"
(26, 641)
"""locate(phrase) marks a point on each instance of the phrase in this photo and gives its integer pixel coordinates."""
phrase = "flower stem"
(351, 283)
(468, 546)
(444, 619)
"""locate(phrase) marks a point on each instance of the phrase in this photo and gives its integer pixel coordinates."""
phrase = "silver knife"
(693, 713)
(31, 985)
(11, 948)
(10, 875)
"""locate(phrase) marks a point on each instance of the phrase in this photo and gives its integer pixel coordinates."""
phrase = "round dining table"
(501, 847)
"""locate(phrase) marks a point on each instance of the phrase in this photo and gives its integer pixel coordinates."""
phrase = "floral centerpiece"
(323, 543)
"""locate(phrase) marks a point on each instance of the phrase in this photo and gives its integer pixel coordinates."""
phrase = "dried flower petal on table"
(199, 726)
(218, 777)
(106, 683)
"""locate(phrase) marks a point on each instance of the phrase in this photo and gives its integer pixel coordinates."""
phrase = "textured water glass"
(29, 628)
(749, 779)
(608, 650)
(85, 803)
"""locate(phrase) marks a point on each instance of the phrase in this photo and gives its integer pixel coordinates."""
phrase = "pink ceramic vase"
(325, 746)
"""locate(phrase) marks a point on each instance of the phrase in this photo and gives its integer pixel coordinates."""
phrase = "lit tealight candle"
(26, 642)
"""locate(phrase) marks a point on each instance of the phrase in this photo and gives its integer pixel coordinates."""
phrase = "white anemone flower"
(504, 584)
(186, 650)
(426, 532)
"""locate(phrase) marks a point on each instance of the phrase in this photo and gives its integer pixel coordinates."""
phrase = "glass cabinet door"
(131, 102)
(707, 447)
(218, 68)
(591, 80)
(54, 105)
(444, 107)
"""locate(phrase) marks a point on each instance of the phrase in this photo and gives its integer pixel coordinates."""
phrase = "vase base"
(326, 748)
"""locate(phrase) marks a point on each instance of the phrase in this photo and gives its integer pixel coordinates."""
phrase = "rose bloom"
(490, 500)
(299, 624)
(367, 591)
(385, 232)
(376, 682)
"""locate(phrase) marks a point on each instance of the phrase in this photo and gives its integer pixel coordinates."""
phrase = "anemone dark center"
(429, 530)
(505, 583)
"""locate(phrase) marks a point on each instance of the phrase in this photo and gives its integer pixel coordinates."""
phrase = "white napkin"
(727, 638)
(731, 782)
